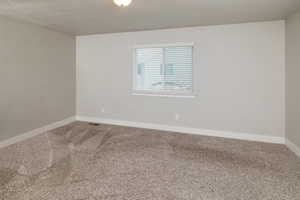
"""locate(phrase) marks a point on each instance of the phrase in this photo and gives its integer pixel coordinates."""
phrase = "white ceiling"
(80, 17)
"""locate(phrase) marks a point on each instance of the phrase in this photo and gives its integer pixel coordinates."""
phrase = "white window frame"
(189, 94)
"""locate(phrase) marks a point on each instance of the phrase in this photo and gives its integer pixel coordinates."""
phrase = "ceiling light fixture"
(122, 3)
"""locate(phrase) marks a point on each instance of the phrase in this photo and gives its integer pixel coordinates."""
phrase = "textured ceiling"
(80, 17)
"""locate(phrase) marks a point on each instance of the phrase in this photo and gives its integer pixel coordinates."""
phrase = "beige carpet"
(85, 162)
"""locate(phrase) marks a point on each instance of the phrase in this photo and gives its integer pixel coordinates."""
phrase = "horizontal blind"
(164, 69)
(179, 70)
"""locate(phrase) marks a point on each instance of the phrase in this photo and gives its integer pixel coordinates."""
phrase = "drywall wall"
(293, 79)
(238, 70)
(37, 77)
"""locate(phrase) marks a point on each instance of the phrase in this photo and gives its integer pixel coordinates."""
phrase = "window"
(166, 70)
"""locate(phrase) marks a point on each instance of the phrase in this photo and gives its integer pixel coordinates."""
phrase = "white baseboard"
(214, 133)
(36, 132)
(224, 134)
(294, 148)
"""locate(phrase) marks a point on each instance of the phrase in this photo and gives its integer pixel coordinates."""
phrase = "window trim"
(192, 44)
(134, 91)
(189, 96)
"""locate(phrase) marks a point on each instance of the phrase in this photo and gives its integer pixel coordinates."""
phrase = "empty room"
(149, 100)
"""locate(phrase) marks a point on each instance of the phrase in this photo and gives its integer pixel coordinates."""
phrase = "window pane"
(149, 63)
(179, 68)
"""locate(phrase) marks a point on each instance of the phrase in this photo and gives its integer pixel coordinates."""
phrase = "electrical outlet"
(102, 110)
(177, 117)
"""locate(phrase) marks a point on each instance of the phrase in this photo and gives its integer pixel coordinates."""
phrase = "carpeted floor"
(85, 162)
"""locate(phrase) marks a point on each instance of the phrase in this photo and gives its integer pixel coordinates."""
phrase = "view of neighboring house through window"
(164, 70)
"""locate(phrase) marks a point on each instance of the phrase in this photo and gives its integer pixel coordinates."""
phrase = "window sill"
(187, 96)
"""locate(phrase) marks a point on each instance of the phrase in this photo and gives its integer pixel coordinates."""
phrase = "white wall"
(37, 77)
(293, 79)
(239, 78)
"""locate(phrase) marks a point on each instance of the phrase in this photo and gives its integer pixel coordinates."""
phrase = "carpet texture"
(81, 161)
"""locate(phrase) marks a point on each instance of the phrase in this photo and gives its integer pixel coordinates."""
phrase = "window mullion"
(164, 68)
